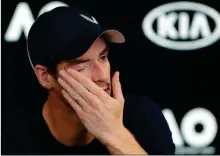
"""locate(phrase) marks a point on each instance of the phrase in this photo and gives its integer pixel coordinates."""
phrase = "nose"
(100, 73)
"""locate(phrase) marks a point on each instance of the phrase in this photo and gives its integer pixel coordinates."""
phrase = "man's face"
(94, 64)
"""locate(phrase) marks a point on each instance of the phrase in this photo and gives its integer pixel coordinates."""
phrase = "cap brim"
(113, 35)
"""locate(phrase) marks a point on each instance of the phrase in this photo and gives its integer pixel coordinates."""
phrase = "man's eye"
(79, 70)
(104, 57)
(82, 68)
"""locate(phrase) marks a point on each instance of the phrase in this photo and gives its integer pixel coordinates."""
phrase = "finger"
(87, 83)
(70, 91)
(72, 103)
(116, 88)
(77, 87)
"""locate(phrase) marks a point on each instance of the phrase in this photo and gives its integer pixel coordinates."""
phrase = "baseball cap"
(65, 33)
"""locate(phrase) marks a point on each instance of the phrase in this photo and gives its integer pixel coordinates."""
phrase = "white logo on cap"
(93, 20)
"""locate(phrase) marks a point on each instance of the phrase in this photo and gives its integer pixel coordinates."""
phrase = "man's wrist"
(123, 142)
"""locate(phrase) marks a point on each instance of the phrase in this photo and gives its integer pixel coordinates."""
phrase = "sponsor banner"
(177, 29)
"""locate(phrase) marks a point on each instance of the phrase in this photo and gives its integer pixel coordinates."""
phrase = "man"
(86, 111)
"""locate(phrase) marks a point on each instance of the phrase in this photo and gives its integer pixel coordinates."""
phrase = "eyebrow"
(78, 61)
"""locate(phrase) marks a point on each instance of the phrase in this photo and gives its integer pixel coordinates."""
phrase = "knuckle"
(87, 109)
(95, 102)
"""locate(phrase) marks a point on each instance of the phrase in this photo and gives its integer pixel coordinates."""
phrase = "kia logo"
(177, 29)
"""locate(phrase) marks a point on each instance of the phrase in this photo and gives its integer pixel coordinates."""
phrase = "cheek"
(108, 68)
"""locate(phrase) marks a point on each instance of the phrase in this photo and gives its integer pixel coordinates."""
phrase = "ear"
(44, 78)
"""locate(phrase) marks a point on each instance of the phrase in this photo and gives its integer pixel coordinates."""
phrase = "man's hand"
(100, 113)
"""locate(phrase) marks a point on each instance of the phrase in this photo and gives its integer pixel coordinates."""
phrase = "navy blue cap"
(65, 33)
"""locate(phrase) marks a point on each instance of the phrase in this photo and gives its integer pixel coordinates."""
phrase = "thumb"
(116, 88)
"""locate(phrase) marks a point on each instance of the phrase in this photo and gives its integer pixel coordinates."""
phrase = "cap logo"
(93, 20)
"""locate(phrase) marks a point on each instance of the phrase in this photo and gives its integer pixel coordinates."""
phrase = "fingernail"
(61, 72)
(68, 70)
(59, 79)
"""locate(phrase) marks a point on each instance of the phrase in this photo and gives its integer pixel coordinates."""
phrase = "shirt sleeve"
(149, 126)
